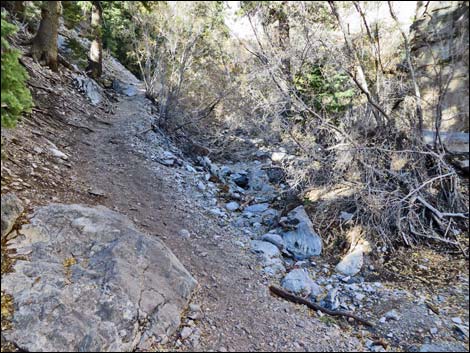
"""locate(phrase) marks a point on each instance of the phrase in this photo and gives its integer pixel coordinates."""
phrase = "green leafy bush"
(326, 89)
(15, 96)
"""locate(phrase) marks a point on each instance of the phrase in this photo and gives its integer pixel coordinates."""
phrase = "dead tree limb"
(299, 300)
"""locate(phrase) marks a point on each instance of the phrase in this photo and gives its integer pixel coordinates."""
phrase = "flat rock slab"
(92, 282)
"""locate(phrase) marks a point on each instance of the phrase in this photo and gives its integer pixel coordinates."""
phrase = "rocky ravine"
(221, 223)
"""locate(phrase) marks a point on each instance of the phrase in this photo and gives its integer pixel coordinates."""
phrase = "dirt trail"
(239, 313)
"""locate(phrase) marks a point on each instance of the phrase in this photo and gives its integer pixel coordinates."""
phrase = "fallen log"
(299, 300)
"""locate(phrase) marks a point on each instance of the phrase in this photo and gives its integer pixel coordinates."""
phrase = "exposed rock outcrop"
(439, 44)
(92, 282)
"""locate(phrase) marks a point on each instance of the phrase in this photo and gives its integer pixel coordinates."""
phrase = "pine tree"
(95, 55)
(44, 47)
(15, 96)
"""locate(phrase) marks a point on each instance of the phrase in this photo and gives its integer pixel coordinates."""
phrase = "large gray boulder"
(92, 282)
(11, 209)
(302, 242)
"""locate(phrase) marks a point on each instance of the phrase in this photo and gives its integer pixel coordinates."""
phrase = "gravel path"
(238, 313)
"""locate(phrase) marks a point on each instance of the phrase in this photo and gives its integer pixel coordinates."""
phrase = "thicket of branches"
(359, 148)
(347, 107)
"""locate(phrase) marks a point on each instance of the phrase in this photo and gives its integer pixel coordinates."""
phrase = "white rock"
(392, 315)
(457, 320)
(184, 233)
(56, 153)
(352, 263)
(232, 206)
(186, 332)
(278, 156)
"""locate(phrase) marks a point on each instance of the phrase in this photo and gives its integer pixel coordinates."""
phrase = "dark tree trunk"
(15, 7)
(284, 41)
(95, 55)
(44, 47)
(284, 45)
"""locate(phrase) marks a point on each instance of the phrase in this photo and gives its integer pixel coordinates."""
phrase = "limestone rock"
(275, 239)
(299, 282)
(89, 88)
(92, 282)
(352, 263)
(303, 242)
(267, 249)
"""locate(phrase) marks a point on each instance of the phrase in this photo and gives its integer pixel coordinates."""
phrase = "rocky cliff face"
(439, 40)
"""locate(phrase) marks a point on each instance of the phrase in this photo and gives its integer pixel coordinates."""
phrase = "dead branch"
(299, 300)
(426, 183)
(438, 213)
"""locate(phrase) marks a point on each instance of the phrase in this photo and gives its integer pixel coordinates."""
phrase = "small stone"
(299, 282)
(433, 330)
(194, 307)
(457, 320)
(257, 208)
(331, 301)
(232, 206)
(201, 186)
(392, 315)
(359, 297)
(184, 233)
(38, 150)
(186, 332)
(190, 168)
(56, 153)
(96, 192)
(268, 250)
(275, 239)
(346, 216)
(383, 320)
(278, 156)
(11, 209)
(195, 315)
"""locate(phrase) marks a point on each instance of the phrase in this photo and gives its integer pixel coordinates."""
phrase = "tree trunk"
(95, 55)
(284, 41)
(358, 72)
(15, 7)
(44, 47)
(284, 46)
